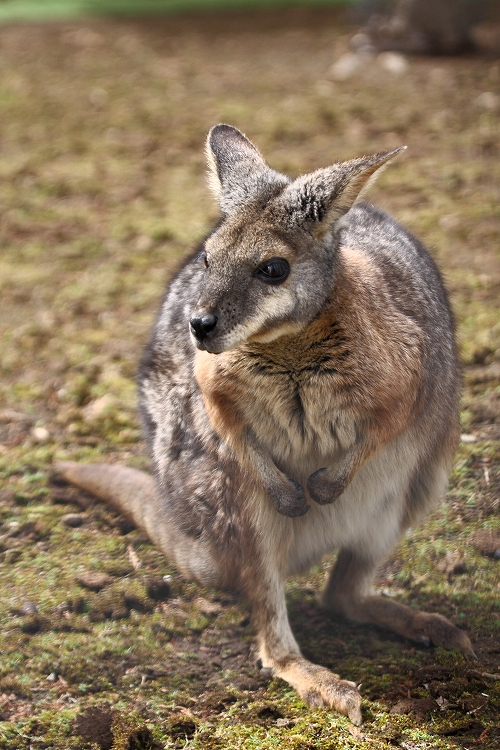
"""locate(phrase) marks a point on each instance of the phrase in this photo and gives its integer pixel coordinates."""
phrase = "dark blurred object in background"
(428, 27)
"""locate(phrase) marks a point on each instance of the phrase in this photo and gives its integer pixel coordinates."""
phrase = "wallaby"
(298, 395)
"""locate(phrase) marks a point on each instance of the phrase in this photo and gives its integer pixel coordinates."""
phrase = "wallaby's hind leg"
(134, 493)
(348, 592)
(279, 651)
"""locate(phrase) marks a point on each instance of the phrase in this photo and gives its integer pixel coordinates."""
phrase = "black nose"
(202, 325)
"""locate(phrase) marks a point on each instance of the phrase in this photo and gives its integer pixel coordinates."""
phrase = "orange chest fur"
(317, 405)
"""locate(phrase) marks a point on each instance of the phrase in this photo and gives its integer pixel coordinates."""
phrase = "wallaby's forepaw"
(289, 499)
(317, 686)
(324, 488)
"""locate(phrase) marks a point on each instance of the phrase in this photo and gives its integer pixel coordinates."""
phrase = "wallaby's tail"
(134, 494)
(129, 491)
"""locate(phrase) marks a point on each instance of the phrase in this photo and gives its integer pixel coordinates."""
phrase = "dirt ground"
(102, 192)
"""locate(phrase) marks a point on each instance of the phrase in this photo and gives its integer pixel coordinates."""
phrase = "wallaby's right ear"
(316, 201)
(238, 173)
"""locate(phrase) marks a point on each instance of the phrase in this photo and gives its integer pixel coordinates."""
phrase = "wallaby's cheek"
(245, 309)
(274, 315)
(276, 332)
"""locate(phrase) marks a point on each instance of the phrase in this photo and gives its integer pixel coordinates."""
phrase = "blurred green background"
(66, 9)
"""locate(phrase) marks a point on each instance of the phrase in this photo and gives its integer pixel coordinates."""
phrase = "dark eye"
(273, 271)
(203, 257)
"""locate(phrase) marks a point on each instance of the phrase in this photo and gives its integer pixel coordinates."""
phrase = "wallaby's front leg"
(279, 651)
(221, 397)
(327, 484)
(286, 494)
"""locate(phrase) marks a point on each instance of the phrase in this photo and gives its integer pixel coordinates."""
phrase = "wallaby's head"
(269, 266)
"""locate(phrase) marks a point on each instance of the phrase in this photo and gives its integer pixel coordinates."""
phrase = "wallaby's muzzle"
(202, 324)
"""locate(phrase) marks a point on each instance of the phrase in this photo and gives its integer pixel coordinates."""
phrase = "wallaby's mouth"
(208, 348)
(205, 344)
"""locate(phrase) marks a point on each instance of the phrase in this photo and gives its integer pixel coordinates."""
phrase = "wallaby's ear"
(238, 173)
(317, 200)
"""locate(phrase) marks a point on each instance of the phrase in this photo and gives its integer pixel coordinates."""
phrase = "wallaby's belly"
(367, 516)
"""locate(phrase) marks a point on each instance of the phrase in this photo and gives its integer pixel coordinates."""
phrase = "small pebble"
(208, 608)
(361, 41)
(449, 222)
(99, 408)
(40, 434)
(468, 439)
(8, 416)
(488, 100)
(393, 63)
(143, 243)
(28, 608)
(93, 580)
(73, 519)
(346, 66)
(98, 97)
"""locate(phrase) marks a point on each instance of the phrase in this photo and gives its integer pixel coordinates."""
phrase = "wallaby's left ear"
(317, 200)
(238, 173)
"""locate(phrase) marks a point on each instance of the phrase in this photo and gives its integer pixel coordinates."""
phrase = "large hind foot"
(343, 595)
(423, 627)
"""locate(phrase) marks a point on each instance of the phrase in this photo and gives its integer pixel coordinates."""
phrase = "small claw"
(312, 486)
(301, 507)
(289, 505)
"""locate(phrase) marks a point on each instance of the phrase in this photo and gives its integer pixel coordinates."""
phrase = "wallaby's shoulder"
(379, 235)
(406, 266)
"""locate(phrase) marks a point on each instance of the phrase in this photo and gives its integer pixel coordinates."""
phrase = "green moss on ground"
(102, 193)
